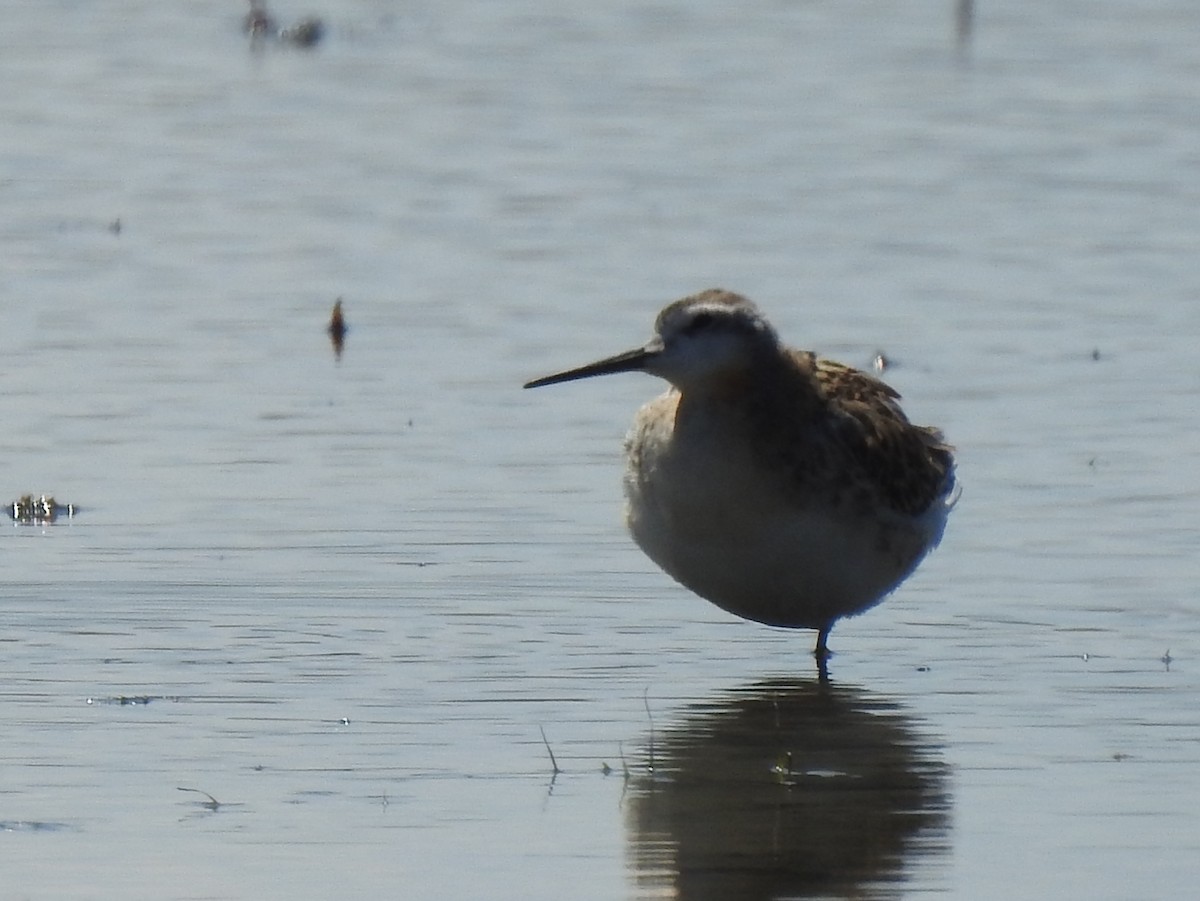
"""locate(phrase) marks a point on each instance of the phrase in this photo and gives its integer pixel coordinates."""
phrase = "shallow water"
(344, 599)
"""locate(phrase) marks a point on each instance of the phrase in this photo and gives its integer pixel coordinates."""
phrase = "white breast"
(702, 508)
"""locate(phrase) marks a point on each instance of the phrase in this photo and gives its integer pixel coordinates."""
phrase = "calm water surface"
(345, 598)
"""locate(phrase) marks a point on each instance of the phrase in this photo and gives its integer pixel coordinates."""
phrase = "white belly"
(711, 518)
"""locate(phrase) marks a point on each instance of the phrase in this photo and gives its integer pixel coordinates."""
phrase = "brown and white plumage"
(783, 487)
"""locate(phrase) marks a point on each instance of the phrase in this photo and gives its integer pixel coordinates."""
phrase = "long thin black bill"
(627, 362)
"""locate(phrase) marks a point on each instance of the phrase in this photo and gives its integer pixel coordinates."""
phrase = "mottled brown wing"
(908, 465)
(842, 381)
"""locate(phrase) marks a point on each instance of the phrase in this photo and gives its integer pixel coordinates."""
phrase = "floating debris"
(35, 511)
(337, 329)
(258, 22)
(783, 766)
(212, 803)
(261, 26)
(132, 700)
(550, 751)
(305, 33)
(36, 826)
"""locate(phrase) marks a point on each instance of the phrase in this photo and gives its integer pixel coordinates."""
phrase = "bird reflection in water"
(786, 789)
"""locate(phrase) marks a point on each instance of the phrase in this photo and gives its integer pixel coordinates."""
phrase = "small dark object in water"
(29, 510)
(337, 329)
(261, 26)
(212, 803)
(133, 700)
(258, 22)
(305, 33)
(964, 22)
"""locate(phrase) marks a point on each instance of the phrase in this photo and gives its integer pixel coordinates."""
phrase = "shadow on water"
(787, 788)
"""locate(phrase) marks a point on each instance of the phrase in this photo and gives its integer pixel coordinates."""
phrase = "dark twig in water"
(553, 762)
(212, 803)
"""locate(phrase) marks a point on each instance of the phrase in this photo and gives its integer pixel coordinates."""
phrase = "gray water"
(345, 599)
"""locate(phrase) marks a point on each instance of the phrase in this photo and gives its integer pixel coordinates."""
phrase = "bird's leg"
(821, 651)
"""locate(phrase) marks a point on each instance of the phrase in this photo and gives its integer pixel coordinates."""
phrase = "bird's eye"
(700, 322)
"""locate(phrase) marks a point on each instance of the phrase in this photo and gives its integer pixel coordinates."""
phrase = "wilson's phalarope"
(783, 487)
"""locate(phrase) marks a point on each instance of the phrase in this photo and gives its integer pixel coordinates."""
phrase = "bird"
(784, 487)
